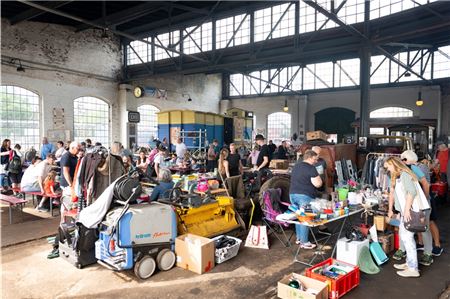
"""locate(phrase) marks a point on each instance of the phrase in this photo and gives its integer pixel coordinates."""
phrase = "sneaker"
(18, 195)
(401, 266)
(437, 251)
(426, 260)
(53, 254)
(419, 247)
(399, 254)
(307, 245)
(408, 273)
(42, 209)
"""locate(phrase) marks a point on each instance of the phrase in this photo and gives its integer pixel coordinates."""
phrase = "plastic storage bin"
(340, 286)
(224, 254)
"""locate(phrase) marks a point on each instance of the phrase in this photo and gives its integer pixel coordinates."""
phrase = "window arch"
(391, 112)
(19, 116)
(148, 126)
(278, 126)
(91, 120)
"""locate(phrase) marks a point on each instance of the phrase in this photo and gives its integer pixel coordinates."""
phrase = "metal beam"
(318, 31)
(191, 9)
(412, 64)
(273, 29)
(363, 37)
(228, 9)
(231, 39)
(150, 71)
(292, 78)
(345, 72)
(35, 12)
(364, 77)
(120, 33)
(126, 15)
(207, 18)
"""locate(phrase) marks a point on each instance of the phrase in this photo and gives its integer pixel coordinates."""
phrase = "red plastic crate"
(340, 286)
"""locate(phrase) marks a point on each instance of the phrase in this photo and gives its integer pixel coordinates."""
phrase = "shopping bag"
(257, 237)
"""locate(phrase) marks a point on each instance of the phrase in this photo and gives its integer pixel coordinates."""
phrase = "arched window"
(391, 112)
(278, 127)
(19, 116)
(91, 120)
(148, 126)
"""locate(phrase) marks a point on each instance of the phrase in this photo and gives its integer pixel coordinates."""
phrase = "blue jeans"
(299, 200)
(409, 243)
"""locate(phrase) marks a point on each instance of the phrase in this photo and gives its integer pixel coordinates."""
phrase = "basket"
(340, 286)
(224, 254)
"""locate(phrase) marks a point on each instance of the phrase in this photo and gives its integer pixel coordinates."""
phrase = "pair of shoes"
(426, 260)
(437, 251)
(419, 246)
(408, 273)
(401, 266)
(307, 245)
(53, 254)
(42, 209)
(399, 254)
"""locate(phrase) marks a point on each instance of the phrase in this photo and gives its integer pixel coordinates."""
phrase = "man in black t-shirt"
(68, 164)
(304, 181)
(272, 148)
(264, 156)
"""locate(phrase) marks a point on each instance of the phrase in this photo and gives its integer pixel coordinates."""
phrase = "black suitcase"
(79, 250)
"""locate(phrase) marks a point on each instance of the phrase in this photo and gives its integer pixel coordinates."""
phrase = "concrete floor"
(26, 273)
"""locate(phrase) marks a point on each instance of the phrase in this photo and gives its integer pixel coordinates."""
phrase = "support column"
(364, 77)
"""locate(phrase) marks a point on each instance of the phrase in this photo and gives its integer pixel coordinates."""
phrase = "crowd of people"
(52, 172)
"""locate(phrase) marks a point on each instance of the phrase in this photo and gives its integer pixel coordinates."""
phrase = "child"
(49, 189)
(195, 166)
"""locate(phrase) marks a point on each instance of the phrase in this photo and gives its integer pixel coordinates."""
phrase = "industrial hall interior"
(225, 149)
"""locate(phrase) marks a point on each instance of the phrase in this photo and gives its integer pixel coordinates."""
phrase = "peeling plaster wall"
(62, 65)
(204, 90)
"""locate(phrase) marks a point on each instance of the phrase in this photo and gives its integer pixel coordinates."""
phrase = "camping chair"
(272, 207)
(235, 188)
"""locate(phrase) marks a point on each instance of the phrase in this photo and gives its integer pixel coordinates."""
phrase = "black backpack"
(15, 165)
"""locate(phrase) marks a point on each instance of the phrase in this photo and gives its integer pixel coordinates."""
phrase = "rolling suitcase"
(79, 250)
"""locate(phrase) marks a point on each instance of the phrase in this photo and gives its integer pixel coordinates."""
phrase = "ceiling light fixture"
(105, 33)
(419, 101)
(285, 108)
(187, 95)
(20, 68)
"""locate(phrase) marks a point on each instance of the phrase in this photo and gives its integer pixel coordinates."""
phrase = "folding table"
(319, 247)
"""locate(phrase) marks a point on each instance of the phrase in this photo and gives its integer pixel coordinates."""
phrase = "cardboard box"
(380, 223)
(287, 292)
(349, 251)
(279, 164)
(387, 242)
(194, 253)
(315, 135)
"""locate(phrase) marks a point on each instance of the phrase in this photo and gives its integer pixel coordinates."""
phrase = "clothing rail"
(381, 154)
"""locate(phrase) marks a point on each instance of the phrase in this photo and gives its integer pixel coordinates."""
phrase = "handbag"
(257, 237)
(417, 223)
